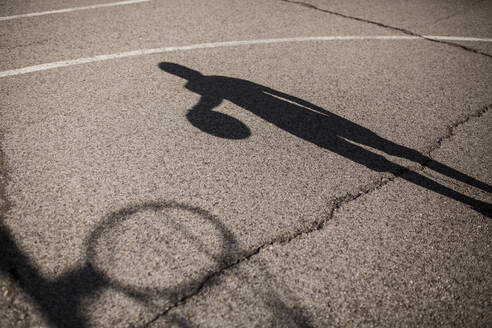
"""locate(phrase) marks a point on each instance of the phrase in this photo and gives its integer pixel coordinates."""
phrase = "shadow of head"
(180, 70)
(202, 115)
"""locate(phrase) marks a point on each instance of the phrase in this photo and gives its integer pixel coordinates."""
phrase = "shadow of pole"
(45, 293)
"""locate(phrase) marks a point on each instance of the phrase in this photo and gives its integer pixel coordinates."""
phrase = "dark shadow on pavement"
(313, 124)
(60, 300)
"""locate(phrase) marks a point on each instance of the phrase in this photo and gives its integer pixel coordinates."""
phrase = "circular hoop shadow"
(115, 220)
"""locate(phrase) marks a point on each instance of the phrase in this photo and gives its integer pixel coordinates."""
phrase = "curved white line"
(67, 10)
(71, 62)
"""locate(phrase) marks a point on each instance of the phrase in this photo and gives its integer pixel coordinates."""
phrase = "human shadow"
(313, 124)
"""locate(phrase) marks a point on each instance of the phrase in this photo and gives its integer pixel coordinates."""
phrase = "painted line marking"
(66, 10)
(71, 62)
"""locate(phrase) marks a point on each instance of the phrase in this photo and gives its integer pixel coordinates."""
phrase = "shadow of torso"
(295, 116)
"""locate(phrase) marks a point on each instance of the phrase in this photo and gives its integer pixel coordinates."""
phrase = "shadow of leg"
(422, 181)
(394, 149)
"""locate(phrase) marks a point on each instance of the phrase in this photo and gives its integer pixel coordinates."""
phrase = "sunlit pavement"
(245, 163)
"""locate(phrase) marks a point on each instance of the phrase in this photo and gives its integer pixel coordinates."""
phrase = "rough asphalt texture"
(314, 184)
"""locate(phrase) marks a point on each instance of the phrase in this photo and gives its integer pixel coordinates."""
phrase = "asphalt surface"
(296, 184)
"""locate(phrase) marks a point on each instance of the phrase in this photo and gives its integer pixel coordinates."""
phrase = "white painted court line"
(66, 10)
(71, 62)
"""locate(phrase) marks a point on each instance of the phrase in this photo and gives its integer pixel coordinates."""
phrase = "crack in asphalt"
(452, 127)
(333, 206)
(394, 28)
